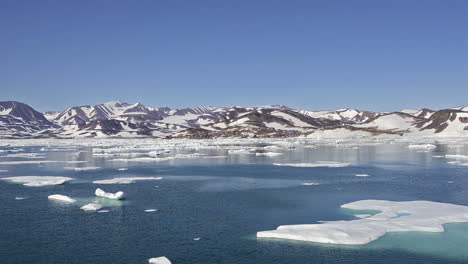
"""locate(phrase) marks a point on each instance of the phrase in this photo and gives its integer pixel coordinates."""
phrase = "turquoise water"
(224, 201)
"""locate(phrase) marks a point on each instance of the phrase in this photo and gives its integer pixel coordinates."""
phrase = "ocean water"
(224, 199)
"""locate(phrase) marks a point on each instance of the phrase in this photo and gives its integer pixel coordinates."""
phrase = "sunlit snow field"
(215, 195)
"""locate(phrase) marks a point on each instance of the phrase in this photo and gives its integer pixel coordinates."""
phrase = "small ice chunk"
(20, 198)
(82, 168)
(91, 207)
(310, 183)
(123, 169)
(103, 211)
(196, 239)
(151, 210)
(61, 198)
(159, 260)
(2, 171)
(115, 196)
(362, 175)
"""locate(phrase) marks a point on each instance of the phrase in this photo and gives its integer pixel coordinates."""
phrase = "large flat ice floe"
(330, 164)
(422, 216)
(38, 181)
(126, 180)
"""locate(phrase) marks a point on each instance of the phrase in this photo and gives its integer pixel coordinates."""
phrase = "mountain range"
(120, 119)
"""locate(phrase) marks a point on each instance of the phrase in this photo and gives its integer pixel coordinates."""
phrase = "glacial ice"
(268, 154)
(422, 216)
(151, 210)
(126, 180)
(91, 207)
(159, 260)
(38, 181)
(61, 198)
(122, 169)
(115, 196)
(330, 164)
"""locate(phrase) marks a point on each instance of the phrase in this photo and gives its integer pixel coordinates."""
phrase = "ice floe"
(38, 181)
(115, 196)
(82, 168)
(103, 211)
(422, 146)
(18, 198)
(330, 164)
(122, 169)
(456, 156)
(159, 260)
(91, 207)
(18, 162)
(126, 180)
(362, 175)
(268, 154)
(151, 210)
(422, 216)
(310, 183)
(61, 198)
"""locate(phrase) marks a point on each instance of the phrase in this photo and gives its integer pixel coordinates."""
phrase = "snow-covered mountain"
(20, 120)
(120, 119)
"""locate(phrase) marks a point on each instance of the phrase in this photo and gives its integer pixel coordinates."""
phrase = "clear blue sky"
(375, 55)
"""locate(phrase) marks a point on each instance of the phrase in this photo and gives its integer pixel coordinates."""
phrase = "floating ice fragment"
(81, 168)
(103, 211)
(422, 146)
(362, 175)
(126, 180)
(268, 154)
(159, 260)
(61, 198)
(310, 183)
(150, 210)
(196, 239)
(315, 164)
(91, 207)
(20, 198)
(38, 181)
(123, 169)
(115, 196)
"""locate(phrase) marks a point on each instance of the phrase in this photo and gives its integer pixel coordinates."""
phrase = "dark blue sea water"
(224, 201)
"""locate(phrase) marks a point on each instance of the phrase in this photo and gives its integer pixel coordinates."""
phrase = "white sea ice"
(330, 164)
(456, 156)
(362, 175)
(268, 154)
(3, 171)
(126, 180)
(422, 216)
(150, 210)
(422, 146)
(122, 169)
(61, 198)
(82, 168)
(310, 183)
(28, 162)
(103, 211)
(159, 260)
(91, 207)
(38, 181)
(18, 198)
(115, 196)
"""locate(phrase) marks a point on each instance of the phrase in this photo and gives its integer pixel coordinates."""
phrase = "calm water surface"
(224, 201)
